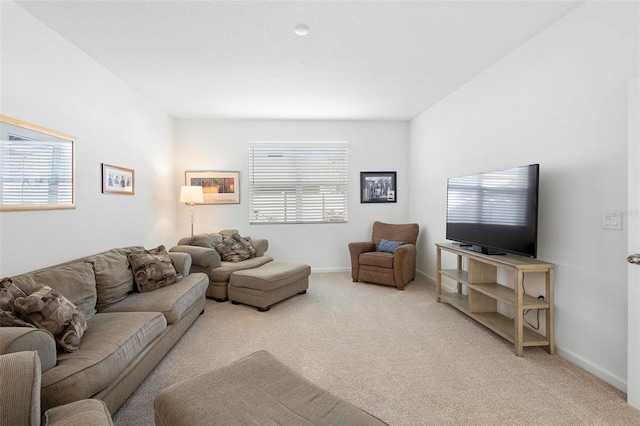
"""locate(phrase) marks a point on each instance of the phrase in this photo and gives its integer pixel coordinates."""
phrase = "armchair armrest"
(355, 250)
(182, 262)
(261, 245)
(201, 256)
(404, 264)
(18, 339)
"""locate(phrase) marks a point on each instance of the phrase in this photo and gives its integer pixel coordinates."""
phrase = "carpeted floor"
(397, 354)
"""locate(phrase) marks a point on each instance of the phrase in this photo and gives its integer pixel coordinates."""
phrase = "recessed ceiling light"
(301, 29)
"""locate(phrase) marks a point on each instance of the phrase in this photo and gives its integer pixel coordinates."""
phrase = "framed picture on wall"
(378, 187)
(217, 187)
(118, 180)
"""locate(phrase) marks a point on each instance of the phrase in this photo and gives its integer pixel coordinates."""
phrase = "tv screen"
(495, 212)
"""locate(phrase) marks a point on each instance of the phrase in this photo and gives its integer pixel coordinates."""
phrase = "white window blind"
(298, 182)
(35, 172)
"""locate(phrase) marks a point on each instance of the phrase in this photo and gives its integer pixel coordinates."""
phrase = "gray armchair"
(206, 259)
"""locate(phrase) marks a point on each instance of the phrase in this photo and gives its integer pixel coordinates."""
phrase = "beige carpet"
(397, 354)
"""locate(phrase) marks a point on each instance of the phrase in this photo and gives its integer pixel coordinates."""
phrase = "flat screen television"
(495, 212)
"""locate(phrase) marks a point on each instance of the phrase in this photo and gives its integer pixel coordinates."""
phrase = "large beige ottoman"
(256, 390)
(262, 287)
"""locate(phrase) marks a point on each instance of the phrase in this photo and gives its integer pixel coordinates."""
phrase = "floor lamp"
(191, 195)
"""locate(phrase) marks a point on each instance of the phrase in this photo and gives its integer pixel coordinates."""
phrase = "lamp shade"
(191, 194)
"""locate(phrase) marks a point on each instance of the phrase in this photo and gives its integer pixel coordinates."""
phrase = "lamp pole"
(191, 195)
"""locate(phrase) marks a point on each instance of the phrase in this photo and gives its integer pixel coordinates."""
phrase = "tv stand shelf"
(483, 293)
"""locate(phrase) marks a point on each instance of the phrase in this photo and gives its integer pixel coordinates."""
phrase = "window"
(36, 167)
(297, 182)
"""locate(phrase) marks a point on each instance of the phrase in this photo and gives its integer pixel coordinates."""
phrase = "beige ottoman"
(256, 390)
(262, 287)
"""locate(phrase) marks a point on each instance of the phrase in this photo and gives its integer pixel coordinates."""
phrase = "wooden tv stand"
(483, 293)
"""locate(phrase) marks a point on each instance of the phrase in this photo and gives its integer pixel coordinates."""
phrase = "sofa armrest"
(18, 339)
(355, 250)
(182, 261)
(92, 412)
(21, 380)
(261, 245)
(201, 256)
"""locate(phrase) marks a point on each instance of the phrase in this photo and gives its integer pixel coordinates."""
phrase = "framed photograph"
(218, 187)
(118, 180)
(378, 187)
(38, 167)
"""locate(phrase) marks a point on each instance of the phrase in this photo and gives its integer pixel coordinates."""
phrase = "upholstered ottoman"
(256, 390)
(262, 287)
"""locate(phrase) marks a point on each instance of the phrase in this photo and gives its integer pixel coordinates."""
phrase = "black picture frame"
(378, 187)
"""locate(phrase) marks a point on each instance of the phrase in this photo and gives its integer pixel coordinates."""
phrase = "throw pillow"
(389, 246)
(9, 292)
(206, 240)
(9, 319)
(246, 244)
(153, 269)
(232, 251)
(51, 311)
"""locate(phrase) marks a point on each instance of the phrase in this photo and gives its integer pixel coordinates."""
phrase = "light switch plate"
(612, 220)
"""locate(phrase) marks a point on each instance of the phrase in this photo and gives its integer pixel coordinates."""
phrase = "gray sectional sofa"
(128, 332)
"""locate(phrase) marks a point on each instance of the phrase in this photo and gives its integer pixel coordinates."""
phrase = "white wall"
(558, 100)
(223, 145)
(49, 82)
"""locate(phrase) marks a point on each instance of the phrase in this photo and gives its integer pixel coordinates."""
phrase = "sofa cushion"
(112, 342)
(49, 310)
(114, 278)
(152, 269)
(173, 301)
(76, 281)
(225, 270)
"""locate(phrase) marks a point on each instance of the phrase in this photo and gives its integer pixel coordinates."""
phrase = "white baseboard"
(343, 269)
(592, 368)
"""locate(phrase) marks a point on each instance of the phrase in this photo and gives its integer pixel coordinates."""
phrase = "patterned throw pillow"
(9, 319)
(9, 292)
(49, 310)
(234, 248)
(153, 269)
(246, 244)
(389, 246)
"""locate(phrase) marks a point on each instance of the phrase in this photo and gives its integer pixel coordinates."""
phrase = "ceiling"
(362, 60)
